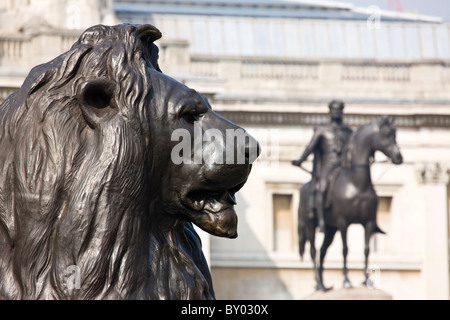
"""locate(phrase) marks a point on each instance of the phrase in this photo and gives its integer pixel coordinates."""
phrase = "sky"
(439, 8)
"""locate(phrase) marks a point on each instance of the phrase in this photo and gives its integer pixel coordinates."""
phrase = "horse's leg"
(312, 251)
(369, 229)
(307, 226)
(327, 240)
(347, 283)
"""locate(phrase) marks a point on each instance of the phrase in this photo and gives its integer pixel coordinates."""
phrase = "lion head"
(88, 182)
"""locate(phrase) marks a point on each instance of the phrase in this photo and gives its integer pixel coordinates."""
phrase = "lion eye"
(191, 117)
(190, 113)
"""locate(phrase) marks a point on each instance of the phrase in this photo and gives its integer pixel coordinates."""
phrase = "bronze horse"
(351, 197)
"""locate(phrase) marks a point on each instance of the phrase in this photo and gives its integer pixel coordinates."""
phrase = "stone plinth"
(360, 293)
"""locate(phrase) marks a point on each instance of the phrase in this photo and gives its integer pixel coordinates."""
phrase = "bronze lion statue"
(91, 204)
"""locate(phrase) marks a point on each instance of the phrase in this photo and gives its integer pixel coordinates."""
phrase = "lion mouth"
(213, 210)
(212, 202)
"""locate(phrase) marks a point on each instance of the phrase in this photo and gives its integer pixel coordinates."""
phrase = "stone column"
(433, 186)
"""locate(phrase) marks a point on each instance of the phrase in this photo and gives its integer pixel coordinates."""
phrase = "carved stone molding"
(433, 173)
(313, 119)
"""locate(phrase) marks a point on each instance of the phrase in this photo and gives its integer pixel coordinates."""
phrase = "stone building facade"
(272, 67)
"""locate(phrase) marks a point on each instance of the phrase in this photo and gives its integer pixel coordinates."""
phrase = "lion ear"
(97, 101)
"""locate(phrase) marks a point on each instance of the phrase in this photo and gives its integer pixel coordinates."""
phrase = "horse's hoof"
(347, 285)
(368, 283)
(321, 287)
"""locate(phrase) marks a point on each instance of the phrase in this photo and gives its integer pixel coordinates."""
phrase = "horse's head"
(386, 142)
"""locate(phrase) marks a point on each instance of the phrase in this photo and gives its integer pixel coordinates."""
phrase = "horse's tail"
(377, 229)
(301, 239)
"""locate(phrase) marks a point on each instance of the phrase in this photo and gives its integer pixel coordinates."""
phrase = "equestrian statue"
(341, 191)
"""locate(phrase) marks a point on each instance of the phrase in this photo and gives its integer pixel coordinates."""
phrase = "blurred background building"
(273, 66)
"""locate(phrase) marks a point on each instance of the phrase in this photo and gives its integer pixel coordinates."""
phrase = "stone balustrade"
(28, 50)
(296, 77)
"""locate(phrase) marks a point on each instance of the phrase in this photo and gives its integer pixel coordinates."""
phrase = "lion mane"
(71, 196)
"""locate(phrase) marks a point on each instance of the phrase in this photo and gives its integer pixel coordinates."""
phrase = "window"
(380, 243)
(284, 236)
(281, 236)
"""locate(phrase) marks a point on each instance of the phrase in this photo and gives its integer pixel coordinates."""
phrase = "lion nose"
(241, 147)
(252, 149)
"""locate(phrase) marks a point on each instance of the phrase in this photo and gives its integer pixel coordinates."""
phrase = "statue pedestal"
(359, 293)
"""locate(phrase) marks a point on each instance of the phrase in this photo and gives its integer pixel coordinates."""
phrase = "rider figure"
(327, 143)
